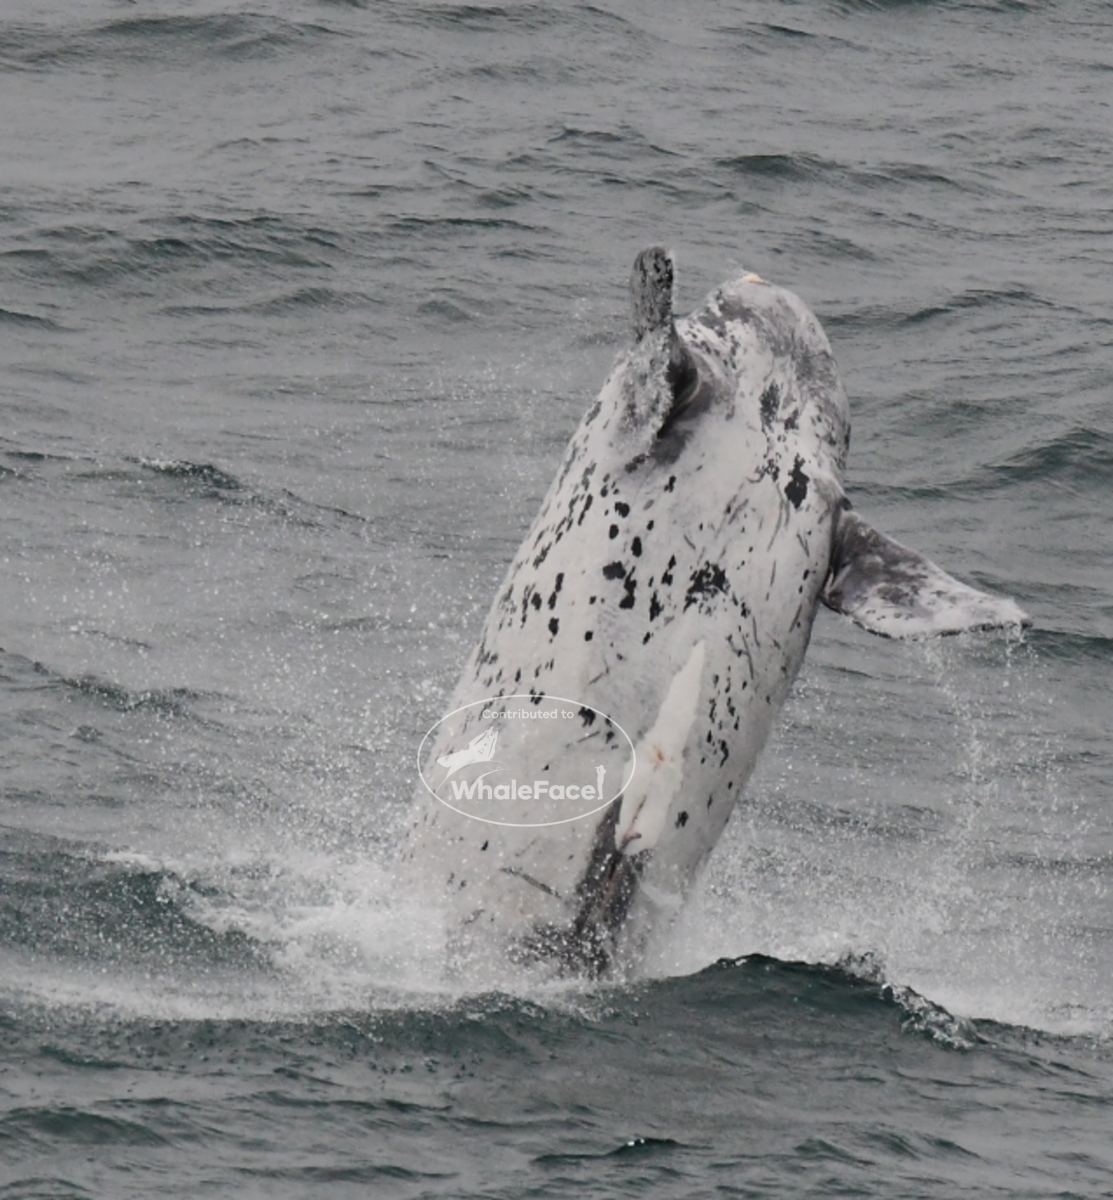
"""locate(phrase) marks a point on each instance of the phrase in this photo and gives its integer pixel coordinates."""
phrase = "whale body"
(668, 584)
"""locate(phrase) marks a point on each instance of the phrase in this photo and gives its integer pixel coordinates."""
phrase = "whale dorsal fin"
(661, 373)
(895, 592)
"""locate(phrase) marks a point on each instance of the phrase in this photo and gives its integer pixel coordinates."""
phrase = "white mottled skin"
(716, 531)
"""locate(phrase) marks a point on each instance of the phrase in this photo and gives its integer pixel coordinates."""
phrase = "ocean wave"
(300, 299)
(980, 6)
(175, 41)
(756, 1075)
(98, 256)
(1071, 647)
(173, 701)
(202, 481)
(1078, 461)
(488, 18)
(114, 911)
(791, 168)
(875, 317)
(210, 482)
(19, 672)
(10, 316)
(34, 456)
(204, 473)
(450, 225)
(45, 1125)
(1080, 456)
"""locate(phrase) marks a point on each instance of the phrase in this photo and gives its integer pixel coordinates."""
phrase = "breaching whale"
(666, 591)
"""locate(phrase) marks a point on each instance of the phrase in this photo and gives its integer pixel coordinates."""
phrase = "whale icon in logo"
(480, 749)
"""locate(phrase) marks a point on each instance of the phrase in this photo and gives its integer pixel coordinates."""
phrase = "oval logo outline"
(533, 698)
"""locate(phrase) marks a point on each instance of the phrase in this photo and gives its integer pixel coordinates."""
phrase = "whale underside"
(670, 581)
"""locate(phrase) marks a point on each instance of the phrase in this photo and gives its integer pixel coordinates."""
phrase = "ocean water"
(299, 304)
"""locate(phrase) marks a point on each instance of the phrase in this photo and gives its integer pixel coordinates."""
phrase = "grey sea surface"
(299, 305)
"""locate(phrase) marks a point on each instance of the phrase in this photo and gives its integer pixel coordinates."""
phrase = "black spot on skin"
(645, 640)
(671, 483)
(627, 601)
(649, 525)
(681, 820)
(484, 846)
(556, 590)
(535, 600)
(791, 422)
(622, 508)
(587, 715)
(667, 577)
(636, 547)
(587, 505)
(655, 607)
(615, 570)
(614, 531)
(710, 580)
(770, 402)
(588, 636)
(796, 490)
(554, 625)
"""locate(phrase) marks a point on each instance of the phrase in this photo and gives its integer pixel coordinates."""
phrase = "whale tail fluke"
(895, 592)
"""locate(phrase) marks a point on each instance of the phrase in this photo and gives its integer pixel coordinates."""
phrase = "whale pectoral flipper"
(661, 374)
(895, 592)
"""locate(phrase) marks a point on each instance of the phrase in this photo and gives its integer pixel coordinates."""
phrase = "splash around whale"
(669, 585)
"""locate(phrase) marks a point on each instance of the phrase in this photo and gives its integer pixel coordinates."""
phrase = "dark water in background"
(298, 306)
